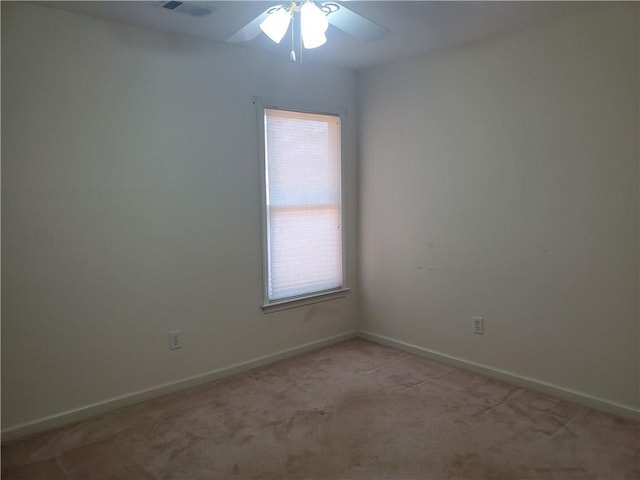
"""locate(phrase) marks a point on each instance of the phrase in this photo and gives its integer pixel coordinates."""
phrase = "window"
(302, 206)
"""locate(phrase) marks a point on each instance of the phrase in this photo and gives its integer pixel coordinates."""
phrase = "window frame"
(268, 305)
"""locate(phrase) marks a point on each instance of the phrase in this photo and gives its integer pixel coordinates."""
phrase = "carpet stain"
(473, 466)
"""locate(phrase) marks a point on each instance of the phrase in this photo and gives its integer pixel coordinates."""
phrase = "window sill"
(285, 304)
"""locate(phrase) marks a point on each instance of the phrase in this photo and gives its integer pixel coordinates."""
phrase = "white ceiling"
(415, 27)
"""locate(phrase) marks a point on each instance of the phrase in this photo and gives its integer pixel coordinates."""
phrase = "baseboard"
(71, 416)
(509, 377)
(82, 413)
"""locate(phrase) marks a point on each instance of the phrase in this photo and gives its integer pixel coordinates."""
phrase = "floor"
(356, 410)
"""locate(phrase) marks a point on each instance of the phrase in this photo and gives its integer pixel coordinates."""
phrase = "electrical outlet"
(478, 325)
(175, 339)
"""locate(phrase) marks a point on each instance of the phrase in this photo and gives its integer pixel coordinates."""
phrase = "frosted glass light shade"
(276, 24)
(313, 25)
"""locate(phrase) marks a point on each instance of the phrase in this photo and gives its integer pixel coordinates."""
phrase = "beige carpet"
(352, 411)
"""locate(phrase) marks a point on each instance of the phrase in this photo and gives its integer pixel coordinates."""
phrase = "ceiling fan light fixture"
(313, 24)
(276, 24)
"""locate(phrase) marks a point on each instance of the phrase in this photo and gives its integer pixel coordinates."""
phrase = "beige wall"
(501, 180)
(130, 207)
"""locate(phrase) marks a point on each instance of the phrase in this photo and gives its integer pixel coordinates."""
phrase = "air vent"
(187, 8)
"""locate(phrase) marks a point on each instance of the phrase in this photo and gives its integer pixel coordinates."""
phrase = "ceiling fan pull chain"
(292, 55)
(300, 47)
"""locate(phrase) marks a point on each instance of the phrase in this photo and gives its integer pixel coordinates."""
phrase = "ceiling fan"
(312, 20)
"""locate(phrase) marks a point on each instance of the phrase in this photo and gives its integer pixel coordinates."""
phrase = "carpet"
(356, 410)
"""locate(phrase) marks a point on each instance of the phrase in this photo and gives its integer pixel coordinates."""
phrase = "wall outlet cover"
(175, 340)
(478, 325)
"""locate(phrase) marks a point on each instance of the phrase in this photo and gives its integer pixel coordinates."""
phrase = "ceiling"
(415, 27)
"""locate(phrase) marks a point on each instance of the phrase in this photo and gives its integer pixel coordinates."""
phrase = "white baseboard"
(71, 416)
(509, 377)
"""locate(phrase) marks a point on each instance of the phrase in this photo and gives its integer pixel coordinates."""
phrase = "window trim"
(269, 306)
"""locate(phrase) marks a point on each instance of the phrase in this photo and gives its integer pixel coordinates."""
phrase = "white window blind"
(304, 237)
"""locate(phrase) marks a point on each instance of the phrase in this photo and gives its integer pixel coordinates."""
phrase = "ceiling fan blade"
(354, 24)
(250, 31)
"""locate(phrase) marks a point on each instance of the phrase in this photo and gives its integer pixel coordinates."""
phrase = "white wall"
(501, 180)
(130, 207)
